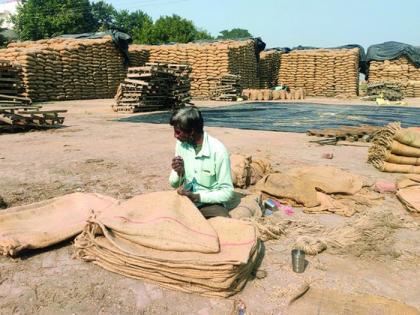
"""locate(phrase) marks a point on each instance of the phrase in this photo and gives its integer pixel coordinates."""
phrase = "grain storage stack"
(209, 61)
(68, 68)
(401, 71)
(268, 68)
(321, 72)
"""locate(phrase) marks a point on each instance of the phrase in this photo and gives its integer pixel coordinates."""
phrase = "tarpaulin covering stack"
(397, 63)
(321, 72)
(209, 60)
(68, 68)
(401, 71)
(48, 222)
(396, 149)
(162, 237)
(268, 69)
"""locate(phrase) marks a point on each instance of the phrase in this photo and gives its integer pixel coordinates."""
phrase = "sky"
(281, 23)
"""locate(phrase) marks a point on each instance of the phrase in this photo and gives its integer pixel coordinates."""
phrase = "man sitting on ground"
(201, 166)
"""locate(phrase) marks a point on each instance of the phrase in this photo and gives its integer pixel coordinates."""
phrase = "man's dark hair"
(187, 119)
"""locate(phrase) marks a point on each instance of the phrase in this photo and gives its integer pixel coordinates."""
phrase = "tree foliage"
(37, 19)
(234, 33)
(137, 24)
(104, 15)
(173, 28)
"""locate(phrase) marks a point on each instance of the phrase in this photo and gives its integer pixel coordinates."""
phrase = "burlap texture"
(215, 274)
(48, 222)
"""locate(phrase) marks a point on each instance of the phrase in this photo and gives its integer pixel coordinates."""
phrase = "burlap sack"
(240, 169)
(45, 223)
(161, 220)
(258, 169)
(247, 207)
(214, 274)
(301, 184)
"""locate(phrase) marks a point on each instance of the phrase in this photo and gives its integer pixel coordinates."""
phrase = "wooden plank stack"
(227, 88)
(269, 67)
(321, 72)
(10, 81)
(208, 60)
(401, 71)
(154, 86)
(65, 68)
(349, 133)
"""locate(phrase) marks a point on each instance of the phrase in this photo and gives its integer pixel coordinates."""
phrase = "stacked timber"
(321, 72)
(10, 81)
(208, 61)
(269, 67)
(58, 68)
(154, 86)
(227, 88)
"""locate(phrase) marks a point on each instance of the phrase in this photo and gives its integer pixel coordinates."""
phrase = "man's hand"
(184, 192)
(178, 165)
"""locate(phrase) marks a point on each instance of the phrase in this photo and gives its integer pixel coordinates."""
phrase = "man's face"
(184, 136)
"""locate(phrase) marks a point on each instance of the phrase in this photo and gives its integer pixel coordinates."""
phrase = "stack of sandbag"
(321, 72)
(48, 222)
(268, 69)
(400, 71)
(162, 237)
(409, 192)
(246, 170)
(154, 86)
(267, 94)
(396, 149)
(208, 60)
(316, 189)
(58, 68)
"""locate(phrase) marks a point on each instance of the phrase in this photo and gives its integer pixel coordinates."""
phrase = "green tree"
(137, 24)
(37, 19)
(173, 28)
(104, 14)
(234, 33)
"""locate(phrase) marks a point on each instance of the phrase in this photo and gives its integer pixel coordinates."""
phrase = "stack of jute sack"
(153, 86)
(401, 71)
(321, 72)
(59, 68)
(267, 94)
(396, 149)
(268, 69)
(208, 60)
(162, 237)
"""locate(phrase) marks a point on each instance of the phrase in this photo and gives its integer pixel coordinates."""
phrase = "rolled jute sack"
(395, 168)
(381, 153)
(393, 132)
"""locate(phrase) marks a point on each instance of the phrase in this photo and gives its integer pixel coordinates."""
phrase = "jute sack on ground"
(45, 223)
(409, 192)
(240, 169)
(258, 168)
(161, 220)
(248, 206)
(215, 274)
(300, 185)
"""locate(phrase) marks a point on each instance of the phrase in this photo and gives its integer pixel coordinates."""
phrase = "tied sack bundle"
(396, 149)
(162, 237)
(247, 170)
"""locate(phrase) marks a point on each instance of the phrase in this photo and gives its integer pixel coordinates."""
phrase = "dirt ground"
(96, 153)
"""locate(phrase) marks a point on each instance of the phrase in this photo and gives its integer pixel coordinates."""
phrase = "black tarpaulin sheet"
(292, 117)
(393, 50)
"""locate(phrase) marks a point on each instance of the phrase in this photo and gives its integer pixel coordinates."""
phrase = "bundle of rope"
(396, 149)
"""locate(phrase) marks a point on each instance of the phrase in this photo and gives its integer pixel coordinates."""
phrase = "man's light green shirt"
(207, 172)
